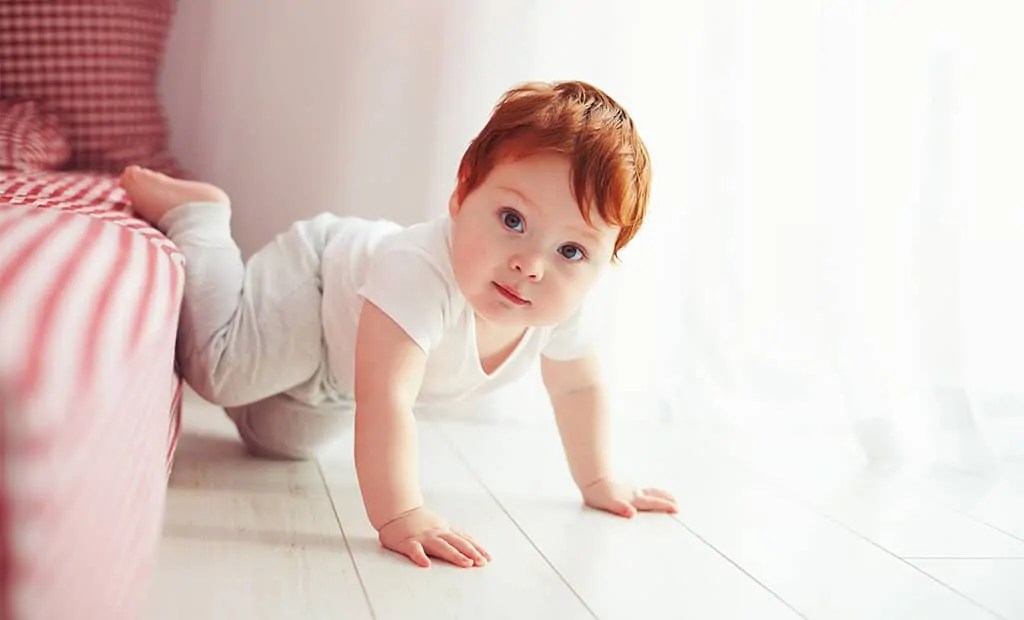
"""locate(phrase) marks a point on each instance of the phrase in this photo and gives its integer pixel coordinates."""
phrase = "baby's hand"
(420, 533)
(625, 501)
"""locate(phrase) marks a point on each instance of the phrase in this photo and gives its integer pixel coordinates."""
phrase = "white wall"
(278, 104)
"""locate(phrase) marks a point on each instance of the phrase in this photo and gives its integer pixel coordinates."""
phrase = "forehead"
(542, 176)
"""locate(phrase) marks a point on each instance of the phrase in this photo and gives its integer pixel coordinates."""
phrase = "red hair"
(610, 167)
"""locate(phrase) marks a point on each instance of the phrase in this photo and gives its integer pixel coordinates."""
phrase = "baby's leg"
(246, 332)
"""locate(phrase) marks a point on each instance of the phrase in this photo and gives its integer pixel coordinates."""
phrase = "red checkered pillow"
(30, 137)
(95, 63)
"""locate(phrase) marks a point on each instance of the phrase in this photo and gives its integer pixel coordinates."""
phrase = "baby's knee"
(282, 428)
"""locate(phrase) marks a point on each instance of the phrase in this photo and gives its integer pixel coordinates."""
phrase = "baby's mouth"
(510, 294)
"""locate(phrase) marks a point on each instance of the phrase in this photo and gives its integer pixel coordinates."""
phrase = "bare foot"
(152, 194)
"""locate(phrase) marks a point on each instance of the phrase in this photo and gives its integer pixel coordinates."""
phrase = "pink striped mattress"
(89, 396)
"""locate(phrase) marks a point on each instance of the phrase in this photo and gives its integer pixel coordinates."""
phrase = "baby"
(339, 312)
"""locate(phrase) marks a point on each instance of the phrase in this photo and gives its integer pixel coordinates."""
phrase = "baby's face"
(522, 253)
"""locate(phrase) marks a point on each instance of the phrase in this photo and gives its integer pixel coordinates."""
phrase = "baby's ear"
(454, 206)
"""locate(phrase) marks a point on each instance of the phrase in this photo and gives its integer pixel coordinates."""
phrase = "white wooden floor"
(807, 536)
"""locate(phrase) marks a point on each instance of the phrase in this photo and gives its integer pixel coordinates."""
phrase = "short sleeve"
(572, 338)
(408, 286)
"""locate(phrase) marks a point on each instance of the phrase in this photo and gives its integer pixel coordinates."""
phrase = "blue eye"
(572, 252)
(512, 220)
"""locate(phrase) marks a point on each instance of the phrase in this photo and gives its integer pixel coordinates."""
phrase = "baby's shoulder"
(410, 278)
(419, 253)
(427, 240)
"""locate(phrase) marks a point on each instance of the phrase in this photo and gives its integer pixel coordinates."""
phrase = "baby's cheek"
(565, 292)
(482, 247)
(475, 251)
(577, 286)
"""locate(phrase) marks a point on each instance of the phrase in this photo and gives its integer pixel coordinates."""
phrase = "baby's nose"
(530, 266)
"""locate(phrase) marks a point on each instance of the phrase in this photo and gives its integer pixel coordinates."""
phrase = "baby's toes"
(134, 176)
(127, 175)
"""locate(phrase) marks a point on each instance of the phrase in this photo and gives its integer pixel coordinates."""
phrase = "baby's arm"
(388, 373)
(580, 403)
(581, 411)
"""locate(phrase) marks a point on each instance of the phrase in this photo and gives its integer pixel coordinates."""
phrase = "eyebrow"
(584, 231)
(521, 195)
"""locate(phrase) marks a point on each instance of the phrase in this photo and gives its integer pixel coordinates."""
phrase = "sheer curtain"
(835, 233)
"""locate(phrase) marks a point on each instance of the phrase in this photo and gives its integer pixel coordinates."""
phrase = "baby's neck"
(497, 331)
(495, 342)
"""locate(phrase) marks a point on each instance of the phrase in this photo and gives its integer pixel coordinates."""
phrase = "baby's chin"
(517, 318)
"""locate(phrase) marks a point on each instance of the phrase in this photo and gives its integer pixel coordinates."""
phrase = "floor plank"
(888, 506)
(646, 567)
(248, 538)
(763, 533)
(994, 583)
(909, 511)
(995, 497)
(813, 563)
(262, 557)
(519, 583)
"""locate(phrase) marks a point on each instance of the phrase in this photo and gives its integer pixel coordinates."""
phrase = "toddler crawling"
(338, 312)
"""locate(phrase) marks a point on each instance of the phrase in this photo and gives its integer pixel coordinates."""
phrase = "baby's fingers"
(465, 547)
(440, 548)
(651, 503)
(479, 547)
(659, 493)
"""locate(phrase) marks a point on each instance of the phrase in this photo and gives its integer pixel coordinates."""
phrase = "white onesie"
(407, 273)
